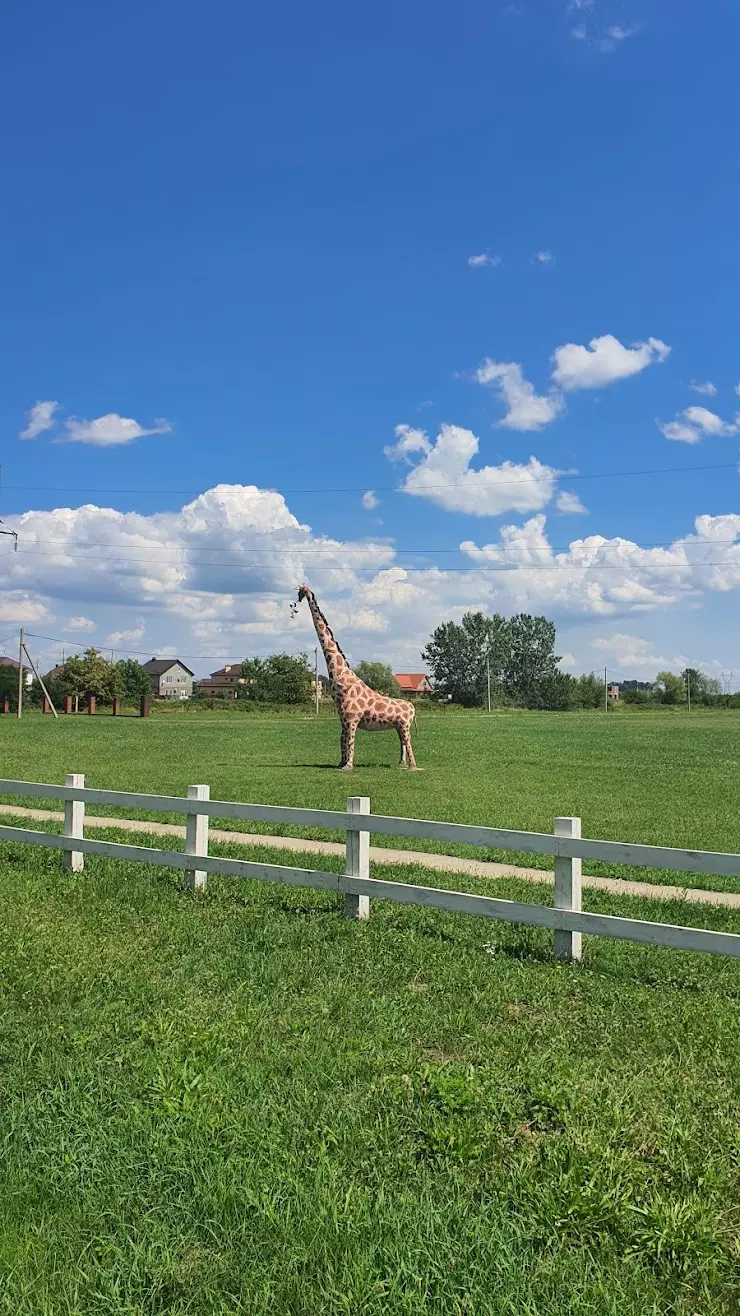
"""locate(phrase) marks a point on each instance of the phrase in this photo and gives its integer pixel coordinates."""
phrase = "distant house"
(223, 682)
(414, 684)
(170, 678)
(612, 691)
(324, 687)
(13, 664)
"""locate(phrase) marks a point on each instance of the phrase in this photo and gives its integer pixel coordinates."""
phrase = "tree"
(671, 688)
(457, 657)
(532, 662)
(9, 685)
(378, 676)
(283, 678)
(91, 674)
(638, 697)
(131, 680)
(589, 691)
(703, 689)
(558, 692)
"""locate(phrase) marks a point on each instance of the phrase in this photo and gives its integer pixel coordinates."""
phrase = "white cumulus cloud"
(603, 361)
(631, 651)
(697, 423)
(39, 418)
(526, 410)
(445, 477)
(484, 260)
(606, 576)
(570, 504)
(408, 441)
(22, 606)
(369, 501)
(216, 578)
(704, 386)
(110, 431)
(79, 624)
(543, 257)
(130, 636)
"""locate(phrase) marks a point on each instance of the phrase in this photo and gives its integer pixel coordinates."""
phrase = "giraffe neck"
(338, 668)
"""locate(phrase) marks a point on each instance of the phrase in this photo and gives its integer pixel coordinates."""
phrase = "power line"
(339, 566)
(79, 644)
(374, 548)
(447, 484)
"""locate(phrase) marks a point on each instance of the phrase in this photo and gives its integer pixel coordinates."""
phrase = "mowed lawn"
(664, 779)
(239, 1102)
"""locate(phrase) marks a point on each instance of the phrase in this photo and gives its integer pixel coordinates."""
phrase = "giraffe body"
(360, 708)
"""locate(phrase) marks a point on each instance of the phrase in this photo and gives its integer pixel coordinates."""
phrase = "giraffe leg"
(404, 760)
(348, 746)
(408, 754)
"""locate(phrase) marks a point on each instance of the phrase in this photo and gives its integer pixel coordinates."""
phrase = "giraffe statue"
(359, 707)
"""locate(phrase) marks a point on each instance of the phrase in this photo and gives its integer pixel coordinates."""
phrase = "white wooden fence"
(565, 844)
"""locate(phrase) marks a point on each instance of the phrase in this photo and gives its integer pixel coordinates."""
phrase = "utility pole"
(688, 688)
(316, 676)
(606, 693)
(20, 676)
(488, 676)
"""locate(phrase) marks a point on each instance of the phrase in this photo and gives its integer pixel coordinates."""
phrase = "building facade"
(415, 685)
(225, 682)
(170, 678)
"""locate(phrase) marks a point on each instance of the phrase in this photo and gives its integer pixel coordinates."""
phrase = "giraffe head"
(304, 593)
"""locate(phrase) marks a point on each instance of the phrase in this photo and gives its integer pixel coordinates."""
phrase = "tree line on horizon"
(80, 676)
(511, 660)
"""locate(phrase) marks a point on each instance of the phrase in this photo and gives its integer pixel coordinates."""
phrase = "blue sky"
(251, 233)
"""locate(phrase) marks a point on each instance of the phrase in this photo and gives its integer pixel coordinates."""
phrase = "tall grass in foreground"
(243, 1103)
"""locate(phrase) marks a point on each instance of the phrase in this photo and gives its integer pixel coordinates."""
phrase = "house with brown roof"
(12, 663)
(225, 682)
(170, 678)
(414, 684)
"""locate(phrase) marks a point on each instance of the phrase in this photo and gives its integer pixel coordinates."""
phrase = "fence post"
(567, 891)
(357, 860)
(74, 824)
(196, 837)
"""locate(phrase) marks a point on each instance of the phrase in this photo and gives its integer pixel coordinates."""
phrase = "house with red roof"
(415, 685)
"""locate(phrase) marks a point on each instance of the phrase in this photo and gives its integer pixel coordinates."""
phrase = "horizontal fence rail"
(566, 918)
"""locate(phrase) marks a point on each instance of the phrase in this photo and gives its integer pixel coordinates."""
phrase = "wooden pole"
(20, 676)
(567, 891)
(74, 824)
(196, 837)
(357, 860)
(40, 681)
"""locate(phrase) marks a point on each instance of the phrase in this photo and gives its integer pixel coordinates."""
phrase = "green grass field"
(240, 1102)
(657, 778)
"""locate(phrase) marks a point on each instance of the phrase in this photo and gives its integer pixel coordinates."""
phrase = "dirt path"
(439, 862)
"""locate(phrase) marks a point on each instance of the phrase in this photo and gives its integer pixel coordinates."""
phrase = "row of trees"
(513, 658)
(286, 678)
(83, 675)
(679, 688)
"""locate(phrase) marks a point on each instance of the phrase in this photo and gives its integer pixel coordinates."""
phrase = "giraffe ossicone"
(360, 708)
